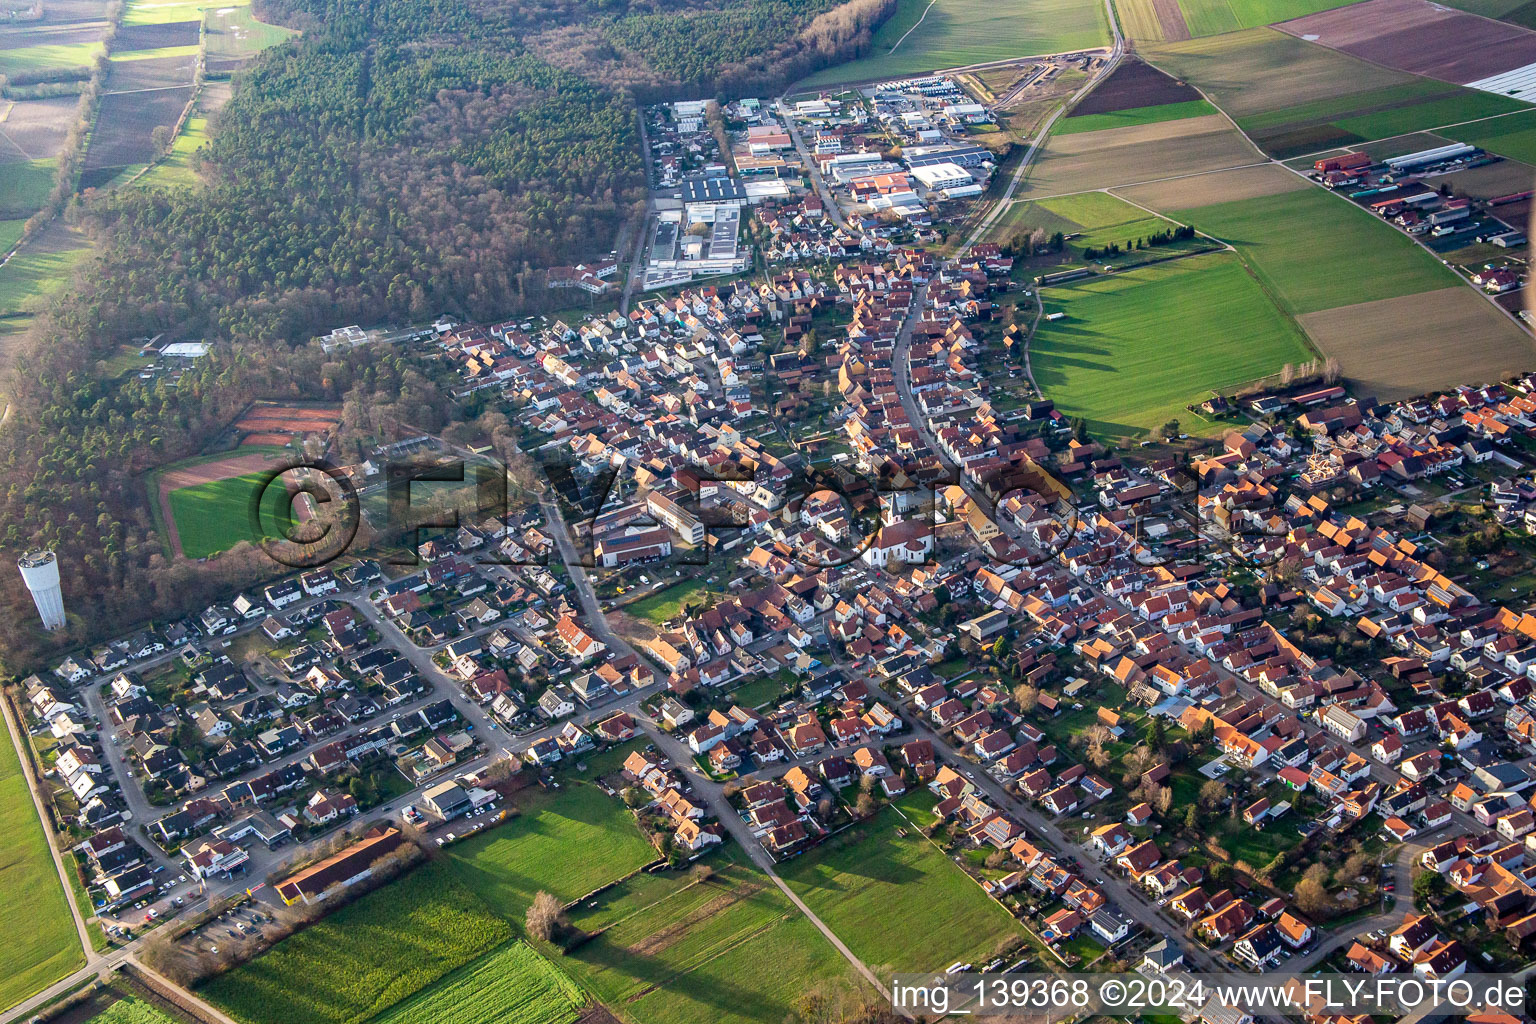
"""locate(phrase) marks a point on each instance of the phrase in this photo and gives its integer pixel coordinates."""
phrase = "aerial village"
(1179, 708)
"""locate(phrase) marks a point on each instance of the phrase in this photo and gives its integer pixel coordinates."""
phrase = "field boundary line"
(909, 31)
(1421, 131)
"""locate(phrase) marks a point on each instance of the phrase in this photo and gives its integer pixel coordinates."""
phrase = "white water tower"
(40, 570)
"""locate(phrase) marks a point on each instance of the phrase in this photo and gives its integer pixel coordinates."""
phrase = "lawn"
(868, 877)
(956, 32)
(511, 985)
(1513, 137)
(1316, 251)
(567, 843)
(34, 911)
(132, 1010)
(365, 957)
(24, 187)
(1134, 115)
(176, 168)
(1136, 347)
(729, 949)
(759, 691)
(215, 516)
(667, 602)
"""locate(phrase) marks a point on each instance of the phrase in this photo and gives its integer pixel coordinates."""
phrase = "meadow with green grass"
(367, 956)
(1513, 137)
(10, 234)
(728, 949)
(566, 842)
(42, 267)
(1134, 115)
(49, 57)
(1136, 347)
(1314, 250)
(858, 879)
(215, 516)
(1097, 219)
(24, 187)
(176, 168)
(43, 945)
(510, 985)
(236, 32)
(956, 32)
(159, 12)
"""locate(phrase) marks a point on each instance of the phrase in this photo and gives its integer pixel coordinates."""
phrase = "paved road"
(828, 202)
(1115, 55)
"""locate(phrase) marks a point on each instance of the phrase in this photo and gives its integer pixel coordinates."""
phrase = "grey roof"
(705, 190)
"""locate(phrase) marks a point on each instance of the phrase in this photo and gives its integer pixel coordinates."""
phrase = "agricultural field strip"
(1404, 135)
(1300, 174)
(909, 31)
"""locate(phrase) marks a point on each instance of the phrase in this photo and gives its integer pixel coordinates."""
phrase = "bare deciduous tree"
(545, 917)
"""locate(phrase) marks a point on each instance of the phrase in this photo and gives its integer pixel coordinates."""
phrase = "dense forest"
(399, 160)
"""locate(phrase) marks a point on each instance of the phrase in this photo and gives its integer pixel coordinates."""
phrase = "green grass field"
(158, 12)
(367, 956)
(1098, 219)
(1136, 347)
(1516, 12)
(1316, 251)
(48, 57)
(35, 273)
(857, 881)
(567, 843)
(1353, 117)
(155, 54)
(24, 187)
(176, 168)
(132, 1010)
(235, 32)
(1213, 17)
(215, 516)
(1134, 115)
(731, 950)
(1513, 137)
(662, 605)
(510, 985)
(957, 32)
(34, 911)
(10, 233)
